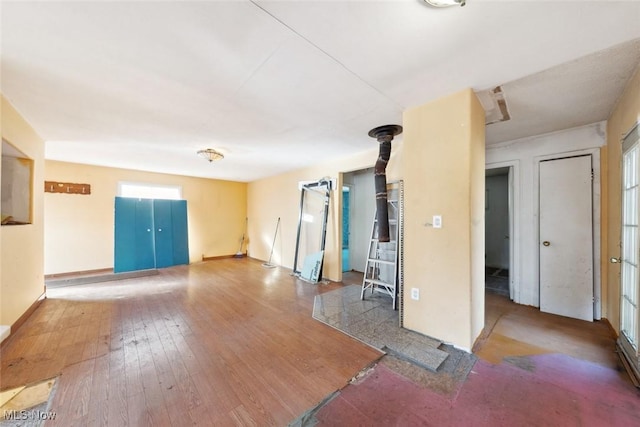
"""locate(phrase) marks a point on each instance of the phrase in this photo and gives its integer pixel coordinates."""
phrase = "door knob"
(546, 243)
(615, 260)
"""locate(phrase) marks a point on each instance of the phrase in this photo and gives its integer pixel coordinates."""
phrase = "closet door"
(150, 234)
(163, 222)
(134, 237)
(180, 232)
(171, 232)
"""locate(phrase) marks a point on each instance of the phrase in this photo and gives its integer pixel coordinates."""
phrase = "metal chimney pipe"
(384, 135)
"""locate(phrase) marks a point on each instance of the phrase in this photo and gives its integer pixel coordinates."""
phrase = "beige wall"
(278, 196)
(21, 266)
(477, 196)
(624, 116)
(79, 229)
(443, 172)
(524, 156)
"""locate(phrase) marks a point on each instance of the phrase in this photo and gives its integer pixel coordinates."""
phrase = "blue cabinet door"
(133, 239)
(180, 232)
(162, 219)
(145, 256)
(150, 234)
(125, 235)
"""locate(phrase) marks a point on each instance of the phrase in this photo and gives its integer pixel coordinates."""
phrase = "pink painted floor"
(542, 390)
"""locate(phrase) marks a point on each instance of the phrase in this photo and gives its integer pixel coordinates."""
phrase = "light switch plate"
(437, 221)
(415, 294)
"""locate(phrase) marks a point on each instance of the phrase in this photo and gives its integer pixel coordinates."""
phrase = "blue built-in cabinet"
(150, 234)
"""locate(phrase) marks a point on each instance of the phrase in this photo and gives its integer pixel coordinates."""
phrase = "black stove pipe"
(384, 135)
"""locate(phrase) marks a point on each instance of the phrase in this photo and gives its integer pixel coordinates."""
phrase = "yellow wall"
(441, 160)
(79, 228)
(279, 196)
(21, 266)
(444, 175)
(477, 211)
(624, 116)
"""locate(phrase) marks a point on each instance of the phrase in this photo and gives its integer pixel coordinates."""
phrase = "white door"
(566, 237)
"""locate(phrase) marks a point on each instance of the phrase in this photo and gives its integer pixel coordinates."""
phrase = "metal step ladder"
(381, 270)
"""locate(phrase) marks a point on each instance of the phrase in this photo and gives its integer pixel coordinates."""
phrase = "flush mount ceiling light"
(211, 154)
(446, 3)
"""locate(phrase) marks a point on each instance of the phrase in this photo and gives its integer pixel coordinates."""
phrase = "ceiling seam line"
(258, 68)
(254, 2)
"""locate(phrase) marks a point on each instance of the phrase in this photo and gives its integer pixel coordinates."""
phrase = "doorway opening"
(498, 226)
(515, 325)
(346, 203)
(359, 207)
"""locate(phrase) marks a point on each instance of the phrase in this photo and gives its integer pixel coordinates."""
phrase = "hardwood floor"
(517, 330)
(224, 342)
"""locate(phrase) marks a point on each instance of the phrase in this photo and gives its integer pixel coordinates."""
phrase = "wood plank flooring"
(518, 330)
(225, 342)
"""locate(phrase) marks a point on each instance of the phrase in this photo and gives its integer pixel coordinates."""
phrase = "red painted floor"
(542, 390)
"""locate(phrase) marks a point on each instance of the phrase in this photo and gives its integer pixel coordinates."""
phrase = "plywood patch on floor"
(499, 346)
(513, 330)
(7, 395)
(18, 402)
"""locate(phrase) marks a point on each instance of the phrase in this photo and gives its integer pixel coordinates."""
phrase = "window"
(137, 190)
(17, 186)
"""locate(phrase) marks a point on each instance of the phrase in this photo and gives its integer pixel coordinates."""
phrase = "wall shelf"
(66, 188)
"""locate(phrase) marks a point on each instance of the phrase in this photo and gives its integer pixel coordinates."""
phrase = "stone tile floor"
(374, 322)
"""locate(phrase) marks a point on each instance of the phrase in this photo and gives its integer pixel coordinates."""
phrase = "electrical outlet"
(415, 294)
(437, 221)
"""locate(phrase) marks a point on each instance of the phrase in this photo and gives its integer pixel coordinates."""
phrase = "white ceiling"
(278, 85)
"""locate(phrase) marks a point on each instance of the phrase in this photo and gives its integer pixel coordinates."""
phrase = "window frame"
(151, 187)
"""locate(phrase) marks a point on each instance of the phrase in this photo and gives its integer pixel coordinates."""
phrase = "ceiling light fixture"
(211, 154)
(446, 3)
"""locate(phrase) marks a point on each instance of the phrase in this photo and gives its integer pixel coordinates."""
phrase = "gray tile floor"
(497, 281)
(374, 322)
